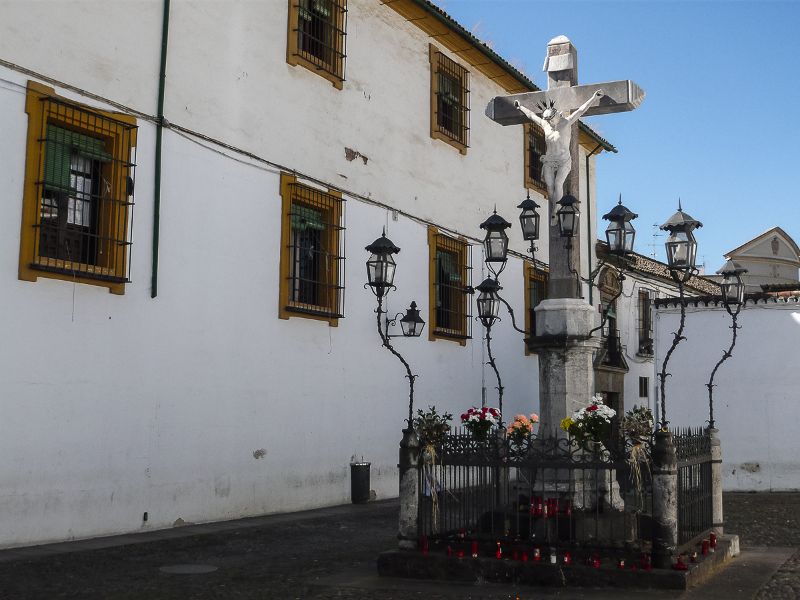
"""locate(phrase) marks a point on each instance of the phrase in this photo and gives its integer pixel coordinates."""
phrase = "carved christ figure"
(556, 164)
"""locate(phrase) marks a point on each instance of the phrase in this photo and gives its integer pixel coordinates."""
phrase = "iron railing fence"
(695, 516)
(549, 492)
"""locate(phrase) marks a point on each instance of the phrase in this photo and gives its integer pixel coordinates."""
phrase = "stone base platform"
(438, 566)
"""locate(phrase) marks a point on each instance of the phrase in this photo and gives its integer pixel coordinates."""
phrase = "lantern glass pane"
(411, 324)
(409, 328)
(488, 307)
(681, 250)
(496, 246)
(529, 221)
(568, 223)
(732, 289)
(630, 234)
(615, 236)
(380, 270)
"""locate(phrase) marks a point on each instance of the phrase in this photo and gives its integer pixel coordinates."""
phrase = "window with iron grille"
(535, 292)
(645, 322)
(449, 101)
(644, 387)
(450, 286)
(535, 148)
(312, 252)
(78, 199)
(317, 32)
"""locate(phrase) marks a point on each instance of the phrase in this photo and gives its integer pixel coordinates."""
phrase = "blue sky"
(718, 128)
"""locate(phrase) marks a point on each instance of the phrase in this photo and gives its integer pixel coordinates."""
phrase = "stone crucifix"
(557, 111)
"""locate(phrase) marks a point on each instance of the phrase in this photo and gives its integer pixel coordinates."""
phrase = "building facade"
(182, 260)
(771, 259)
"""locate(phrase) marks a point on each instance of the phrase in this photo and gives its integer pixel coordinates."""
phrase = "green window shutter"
(304, 218)
(449, 268)
(59, 146)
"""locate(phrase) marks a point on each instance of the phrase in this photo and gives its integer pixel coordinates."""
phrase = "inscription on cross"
(557, 111)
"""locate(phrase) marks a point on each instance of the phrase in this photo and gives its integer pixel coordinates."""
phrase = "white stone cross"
(557, 111)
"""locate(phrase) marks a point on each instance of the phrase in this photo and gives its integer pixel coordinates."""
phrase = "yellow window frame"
(438, 60)
(77, 119)
(460, 247)
(331, 201)
(333, 70)
(532, 275)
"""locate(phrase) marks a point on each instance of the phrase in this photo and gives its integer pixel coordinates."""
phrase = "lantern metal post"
(733, 299)
(380, 276)
(488, 309)
(681, 250)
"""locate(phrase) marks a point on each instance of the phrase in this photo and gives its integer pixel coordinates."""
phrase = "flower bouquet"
(480, 421)
(431, 427)
(637, 427)
(521, 429)
(591, 423)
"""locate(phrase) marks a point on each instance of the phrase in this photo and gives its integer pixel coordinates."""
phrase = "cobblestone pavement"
(300, 556)
(769, 520)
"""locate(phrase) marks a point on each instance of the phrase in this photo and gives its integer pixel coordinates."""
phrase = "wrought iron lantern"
(568, 216)
(529, 219)
(681, 246)
(381, 265)
(495, 244)
(488, 302)
(411, 323)
(732, 285)
(620, 232)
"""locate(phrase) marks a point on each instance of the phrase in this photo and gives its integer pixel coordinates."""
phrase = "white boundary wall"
(755, 399)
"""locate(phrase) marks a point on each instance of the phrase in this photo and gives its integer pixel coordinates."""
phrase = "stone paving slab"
(300, 555)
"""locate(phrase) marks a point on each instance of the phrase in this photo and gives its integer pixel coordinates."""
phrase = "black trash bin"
(359, 482)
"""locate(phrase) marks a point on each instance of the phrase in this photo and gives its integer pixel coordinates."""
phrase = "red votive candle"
(474, 549)
(449, 551)
(704, 549)
(621, 563)
(712, 541)
(567, 558)
(524, 556)
(515, 554)
(499, 552)
(693, 556)
(460, 554)
(537, 555)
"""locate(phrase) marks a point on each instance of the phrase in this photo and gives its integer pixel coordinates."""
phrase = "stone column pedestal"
(665, 500)
(566, 352)
(717, 519)
(409, 490)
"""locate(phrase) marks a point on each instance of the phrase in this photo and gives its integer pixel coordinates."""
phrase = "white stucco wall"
(119, 405)
(755, 396)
